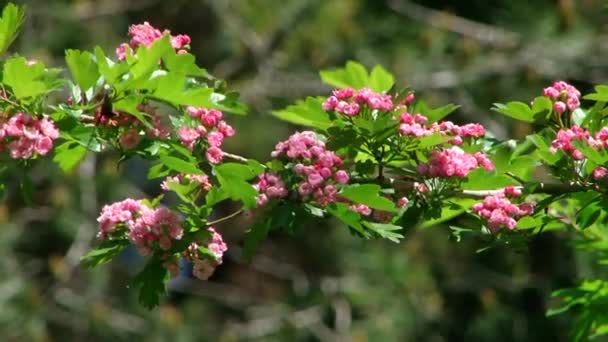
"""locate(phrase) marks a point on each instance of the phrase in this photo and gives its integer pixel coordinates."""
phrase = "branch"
(235, 157)
(541, 188)
(225, 218)
(483, 33)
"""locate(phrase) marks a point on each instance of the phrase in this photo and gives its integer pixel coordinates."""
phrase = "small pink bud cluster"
(565, 137)
(416, 126)
(27, 136)
(211, 127)
(600, 173)
(145, 227)
(145, 34)
(183, 179)
(361, 209)
(269, 186)
(500, 212)
(318, 167)
(350, 102)
(203, 267)
(453, 162)
(129, 139)
(564, 96)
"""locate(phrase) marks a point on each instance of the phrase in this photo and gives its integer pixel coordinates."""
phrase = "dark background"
(319, 283)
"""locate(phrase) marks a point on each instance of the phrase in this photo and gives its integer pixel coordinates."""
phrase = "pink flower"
(188, 136)
(215, 139)
(600, 172)
(341, 177)
(403, 201)
(361, 209)
(214, 155)
(500, 212)
(559, 107)
(129, 139)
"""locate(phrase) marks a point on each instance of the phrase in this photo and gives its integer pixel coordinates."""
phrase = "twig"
(483, 33)
(541, 188)
(225, 218)
(235, 157)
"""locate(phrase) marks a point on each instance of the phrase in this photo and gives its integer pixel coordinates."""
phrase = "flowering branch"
(541, 188)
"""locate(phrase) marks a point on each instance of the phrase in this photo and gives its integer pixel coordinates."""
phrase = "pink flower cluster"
(145, 227)
(203, 268)
(350, 102)
(203, 180)
(27, 136)
(416, 126)
(500, 212)
(318, 167)
(212, 127)
(564, 96)
(269, 186)
(145, 34)
(453, 162)
(565, 137)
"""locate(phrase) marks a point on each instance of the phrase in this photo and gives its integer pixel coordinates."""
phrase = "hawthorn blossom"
(350, 102)
(564, 96)
(453, 162)
(27, 136)
(500, 212)
(145, 35)
(203, 267)
(146, 228)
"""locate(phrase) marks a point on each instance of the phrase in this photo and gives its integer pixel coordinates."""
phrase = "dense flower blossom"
(416, 126)
(269, 186)
(27, 136)
(318, 168)
(145, 227)
(565, 138)
(203, 267)
(500, 212)
(453, 162)
(145, 35)
(129, 139)
(212, 130)
(350, 102)
(203, 180)
(563, 95)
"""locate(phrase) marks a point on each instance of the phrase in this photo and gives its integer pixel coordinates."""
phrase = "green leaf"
(157, 171)
(170, 88)
(183, 64)
(83, 68)
(28, 80)
(517, 110)
(10, 24)
(233, 178)
(368, 194)
(103, 253)
(110, 71)
(381, 80)
(601, 94)
(69, 154)
(436, 114)
(148, 58)
(353, 75)
(254, 236)
(453, 209)
(352, 219)
(185, 192)
(130, 104)
(151, 283)
(179, 165)
(306, 113)
(384, 230)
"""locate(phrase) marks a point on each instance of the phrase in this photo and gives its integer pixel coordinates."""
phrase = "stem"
(235, 157)
(225, 218)
(542, 188)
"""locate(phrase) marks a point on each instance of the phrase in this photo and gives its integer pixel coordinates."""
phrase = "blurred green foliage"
(323, 285)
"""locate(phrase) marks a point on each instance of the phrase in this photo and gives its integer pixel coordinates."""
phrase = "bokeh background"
(319, 283)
